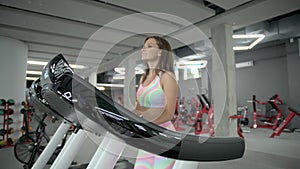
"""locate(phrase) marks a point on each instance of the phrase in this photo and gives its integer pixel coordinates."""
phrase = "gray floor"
(262, 152)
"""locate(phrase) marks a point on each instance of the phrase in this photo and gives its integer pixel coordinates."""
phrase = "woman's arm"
(137, 109)
(170, 88)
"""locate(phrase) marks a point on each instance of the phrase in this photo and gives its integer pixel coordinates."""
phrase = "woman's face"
(150, 50)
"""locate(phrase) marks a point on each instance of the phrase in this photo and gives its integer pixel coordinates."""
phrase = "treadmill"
(96, 112)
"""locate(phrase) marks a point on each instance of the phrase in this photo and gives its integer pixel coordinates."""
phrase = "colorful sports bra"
(152, 95)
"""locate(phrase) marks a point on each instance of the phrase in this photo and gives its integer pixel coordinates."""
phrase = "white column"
(293, 70)
(223, 43)
(205, 83)
(129, 84)
(13, 65)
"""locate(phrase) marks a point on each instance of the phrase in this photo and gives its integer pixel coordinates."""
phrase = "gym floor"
(262, 152)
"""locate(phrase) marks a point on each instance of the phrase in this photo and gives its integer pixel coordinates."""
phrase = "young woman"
(156, 95)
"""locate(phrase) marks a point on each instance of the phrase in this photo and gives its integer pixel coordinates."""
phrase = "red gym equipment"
(26, 118)
(285, 122)
(206, 108)
(274, 101)
(242, 120)
(177, 115)
(7, 130)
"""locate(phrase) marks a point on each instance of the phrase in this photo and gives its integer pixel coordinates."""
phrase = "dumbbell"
(9, 120)
(2, 132)
(10, 102)
(2, 112)
(2, 102)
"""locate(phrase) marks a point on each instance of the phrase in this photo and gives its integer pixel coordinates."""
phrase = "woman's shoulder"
(167, 75)
(168, 79)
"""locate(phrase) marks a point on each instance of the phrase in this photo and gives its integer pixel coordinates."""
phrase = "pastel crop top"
(152, 95)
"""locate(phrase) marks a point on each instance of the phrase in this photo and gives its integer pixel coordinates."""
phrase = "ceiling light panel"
(257, 38)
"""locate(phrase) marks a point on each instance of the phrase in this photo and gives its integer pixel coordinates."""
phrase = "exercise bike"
(31, 144)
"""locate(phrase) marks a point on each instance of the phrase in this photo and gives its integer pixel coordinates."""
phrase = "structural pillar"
(129, 84)
(293, 66)
(223, 43)
(293, 71)
(13, 65)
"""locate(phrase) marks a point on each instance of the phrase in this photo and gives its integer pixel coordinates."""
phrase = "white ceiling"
(50, 27)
